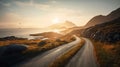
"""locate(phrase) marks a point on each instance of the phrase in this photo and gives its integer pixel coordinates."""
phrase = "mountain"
(105, 32)
(47, 35)
(61, 26)
(69, 30)
(101, 18)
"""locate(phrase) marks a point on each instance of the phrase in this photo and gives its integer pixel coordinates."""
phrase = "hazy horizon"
(42, 13)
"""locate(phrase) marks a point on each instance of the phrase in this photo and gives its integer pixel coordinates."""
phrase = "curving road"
(46, 58)
(85, 56)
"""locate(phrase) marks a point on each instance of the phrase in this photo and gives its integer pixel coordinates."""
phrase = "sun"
(55, 20)
(56, 30)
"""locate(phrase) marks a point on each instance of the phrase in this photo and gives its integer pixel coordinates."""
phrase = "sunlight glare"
(56, 30)
(56, 20)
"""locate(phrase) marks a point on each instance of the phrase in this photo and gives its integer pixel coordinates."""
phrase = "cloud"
(34, 14)
(53, 1)
(67, 12)
(42, 6)
(31, 3)
(23, 4)
(5, 4)
(9, 18)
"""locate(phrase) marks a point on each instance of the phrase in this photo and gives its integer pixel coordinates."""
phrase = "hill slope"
(105, 32)
(65, 25)
(101, 19)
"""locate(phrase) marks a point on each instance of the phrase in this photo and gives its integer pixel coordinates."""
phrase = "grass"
(34, 48)
(63, 60)
(27, 42)
(108, 54)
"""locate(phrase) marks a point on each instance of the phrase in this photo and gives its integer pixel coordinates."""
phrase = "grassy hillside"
(102, 18)
(16, 50)
(108, 55)
(106, 39)
(106, 32)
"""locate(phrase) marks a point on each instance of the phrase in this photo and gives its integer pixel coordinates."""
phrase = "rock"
(105, 32)
(12, 49)
(12, 38)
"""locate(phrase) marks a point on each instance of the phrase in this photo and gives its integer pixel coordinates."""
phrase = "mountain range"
(62, 26)
(101, 18)
(101, 28)
(105, 32)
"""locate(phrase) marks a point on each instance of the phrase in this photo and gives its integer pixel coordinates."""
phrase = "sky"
(42, 13)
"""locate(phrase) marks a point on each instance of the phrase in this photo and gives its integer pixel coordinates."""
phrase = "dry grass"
(55, 43)
(27, 42)
(34, 48)
(108, 54)
(63, 60)
(32, 44)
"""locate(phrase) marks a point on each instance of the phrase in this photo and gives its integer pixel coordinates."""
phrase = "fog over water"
(20, 32)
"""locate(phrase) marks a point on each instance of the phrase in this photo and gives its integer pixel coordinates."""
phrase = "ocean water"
(20, 32)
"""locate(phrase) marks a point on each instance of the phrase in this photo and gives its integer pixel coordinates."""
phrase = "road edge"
(64, 59)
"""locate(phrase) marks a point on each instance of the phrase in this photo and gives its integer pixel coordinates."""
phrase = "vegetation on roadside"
(108, 54)
(63, 60)
(34, 47)
(106, 39)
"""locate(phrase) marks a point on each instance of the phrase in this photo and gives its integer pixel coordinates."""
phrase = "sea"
(21, 32)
